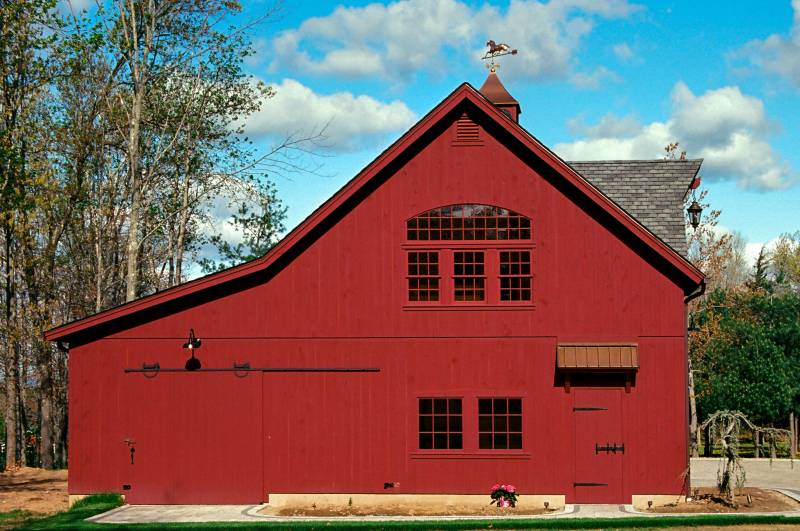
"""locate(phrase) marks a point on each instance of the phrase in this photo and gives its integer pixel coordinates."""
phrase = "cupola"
(494, 91)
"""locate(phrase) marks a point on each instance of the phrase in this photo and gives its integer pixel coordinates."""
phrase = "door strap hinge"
(590, 484)
(590, 409)
(609, 448)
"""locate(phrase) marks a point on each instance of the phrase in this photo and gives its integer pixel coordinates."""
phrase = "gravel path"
(778, 474)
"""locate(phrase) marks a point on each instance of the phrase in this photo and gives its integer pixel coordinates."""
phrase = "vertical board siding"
(341, 303)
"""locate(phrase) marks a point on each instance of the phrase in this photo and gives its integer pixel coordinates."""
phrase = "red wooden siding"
(342, 302)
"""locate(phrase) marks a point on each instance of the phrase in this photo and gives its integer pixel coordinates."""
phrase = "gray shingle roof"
(651, 191)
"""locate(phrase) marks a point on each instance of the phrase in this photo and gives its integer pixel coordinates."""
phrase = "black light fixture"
(694, 211)
(192, 364)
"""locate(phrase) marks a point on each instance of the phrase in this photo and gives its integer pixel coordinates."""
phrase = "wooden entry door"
(599, 448)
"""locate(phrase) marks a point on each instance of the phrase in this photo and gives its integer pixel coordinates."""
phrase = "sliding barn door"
(197, 438)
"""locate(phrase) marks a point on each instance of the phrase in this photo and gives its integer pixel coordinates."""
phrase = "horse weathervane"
(496, 50)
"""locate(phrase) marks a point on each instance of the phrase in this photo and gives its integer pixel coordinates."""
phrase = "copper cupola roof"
(494, 91)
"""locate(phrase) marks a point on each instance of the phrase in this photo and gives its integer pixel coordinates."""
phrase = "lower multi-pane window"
(500, 423)
(440, 426)
(515, 275)
(468, 276)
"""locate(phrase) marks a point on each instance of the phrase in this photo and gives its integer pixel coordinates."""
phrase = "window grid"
(423, 276)
(469, 282)
(515, 275)
(500, 423)
(440, 424)
(469, 222)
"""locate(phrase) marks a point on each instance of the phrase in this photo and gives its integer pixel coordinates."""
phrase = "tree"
(117, 132)
(177, 87)
(735, 270)
(259, 222)
(709, 251)
(750, 363)
(721, 258)
(25, 71)
(785, 263)
(760, 280)
(726, 429)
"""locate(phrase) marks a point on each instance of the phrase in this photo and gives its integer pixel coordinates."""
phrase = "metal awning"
(597, 356)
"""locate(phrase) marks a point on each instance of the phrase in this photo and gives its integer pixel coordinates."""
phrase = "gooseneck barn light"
(192, 364)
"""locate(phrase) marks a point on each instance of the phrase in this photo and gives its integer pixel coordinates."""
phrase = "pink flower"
(503, 503)
(511, 488)
(495, 487)
(503, 487)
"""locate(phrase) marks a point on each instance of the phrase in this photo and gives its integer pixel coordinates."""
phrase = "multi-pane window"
(423, 276)
(469, 255)
(440, 426)
(468, 222)
(500, 423)
(515, 275)
(469, 282)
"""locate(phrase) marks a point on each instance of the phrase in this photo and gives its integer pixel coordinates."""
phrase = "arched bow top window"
(468, 222)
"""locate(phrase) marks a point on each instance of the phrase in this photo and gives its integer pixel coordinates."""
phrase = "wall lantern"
(694, 214)
(192, 364)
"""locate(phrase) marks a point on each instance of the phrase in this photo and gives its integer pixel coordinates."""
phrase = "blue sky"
(595, 78)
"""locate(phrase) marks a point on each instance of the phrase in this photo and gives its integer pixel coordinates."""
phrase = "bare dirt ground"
(399, 510)
(759, 501)
(34, 490)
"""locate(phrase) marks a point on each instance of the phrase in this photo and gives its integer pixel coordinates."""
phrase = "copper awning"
(598, 356)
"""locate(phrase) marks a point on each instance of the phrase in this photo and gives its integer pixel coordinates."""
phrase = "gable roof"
(688, 276)
(652, 191)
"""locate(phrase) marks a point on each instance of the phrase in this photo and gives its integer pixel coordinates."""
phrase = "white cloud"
(352, 121)
(397, 40)
(608, 126)
(777, 54)
(390, 41)
(725, 127)
(712, 117)
(622, 51)
(593, 80)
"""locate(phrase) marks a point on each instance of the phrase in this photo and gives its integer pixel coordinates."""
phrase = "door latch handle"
(132, 445)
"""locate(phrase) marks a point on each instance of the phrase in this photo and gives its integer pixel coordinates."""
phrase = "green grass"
(74, 519)
(578, 523)
(13, 518)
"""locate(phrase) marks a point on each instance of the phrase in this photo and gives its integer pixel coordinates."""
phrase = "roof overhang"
(615, 357)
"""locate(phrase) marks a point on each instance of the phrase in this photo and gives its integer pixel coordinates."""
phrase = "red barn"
(468, 310)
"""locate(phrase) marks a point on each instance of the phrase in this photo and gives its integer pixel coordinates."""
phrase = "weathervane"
(496, 50)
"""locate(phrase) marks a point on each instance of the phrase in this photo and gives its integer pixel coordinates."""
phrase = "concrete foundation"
(640, 501)
(440, 501)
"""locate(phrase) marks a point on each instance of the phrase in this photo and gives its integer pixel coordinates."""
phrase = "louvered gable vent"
(468, 133)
